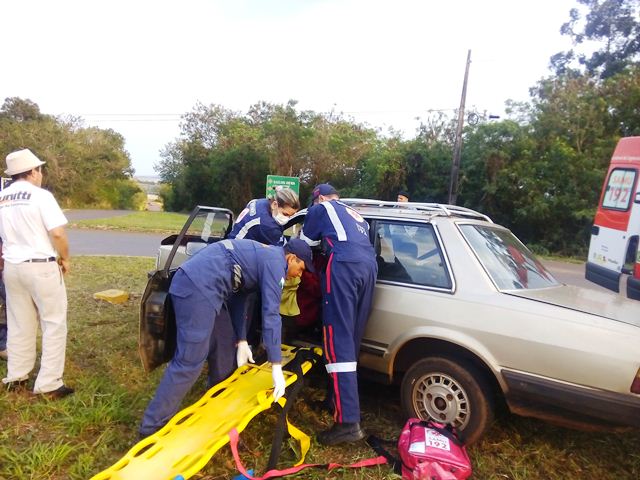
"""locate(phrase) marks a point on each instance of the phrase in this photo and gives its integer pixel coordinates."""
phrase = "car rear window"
(508, 262)
(409, 254)
(619, 189)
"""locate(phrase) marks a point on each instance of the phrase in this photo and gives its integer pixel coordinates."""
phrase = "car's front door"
(205, 225)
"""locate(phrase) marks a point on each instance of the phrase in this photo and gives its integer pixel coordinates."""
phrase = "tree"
(220, 152)
(84, 166)
(20, 110)
(542, 178)
(382, 172)
(622, 94)
(492, 170)
(614, 24)
(284, 132)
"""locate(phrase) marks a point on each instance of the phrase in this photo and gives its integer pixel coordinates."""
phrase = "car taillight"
(635, 386)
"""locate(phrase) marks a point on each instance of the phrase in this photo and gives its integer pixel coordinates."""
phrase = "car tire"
(450, 392)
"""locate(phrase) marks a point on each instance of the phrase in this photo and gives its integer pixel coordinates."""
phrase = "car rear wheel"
(448, 392)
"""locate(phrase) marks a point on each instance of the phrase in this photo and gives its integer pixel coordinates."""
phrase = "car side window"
(410, 253)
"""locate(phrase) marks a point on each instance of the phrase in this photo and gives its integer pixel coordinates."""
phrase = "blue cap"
(322, 189)
(301, 250)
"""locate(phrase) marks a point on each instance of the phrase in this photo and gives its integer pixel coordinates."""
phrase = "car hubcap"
(441, 398)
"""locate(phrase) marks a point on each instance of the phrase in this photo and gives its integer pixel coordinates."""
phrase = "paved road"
(109, 242)
(571, 273)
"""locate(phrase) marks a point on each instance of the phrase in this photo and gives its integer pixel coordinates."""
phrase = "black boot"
(341, 433)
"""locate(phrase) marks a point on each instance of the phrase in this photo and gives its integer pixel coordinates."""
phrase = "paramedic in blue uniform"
(201, 285)
(347, 292)
(261, 220)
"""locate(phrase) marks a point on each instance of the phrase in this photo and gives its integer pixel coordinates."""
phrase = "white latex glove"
(278, 382)
(243, 353)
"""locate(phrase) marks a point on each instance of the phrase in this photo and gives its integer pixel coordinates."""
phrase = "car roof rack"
(415, 207)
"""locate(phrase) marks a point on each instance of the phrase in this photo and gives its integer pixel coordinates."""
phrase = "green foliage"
(578, 120)
(19, 110)
(381, 171)
(614, 24)
(622, 94)
(492, 176)
(428, 166)
(121, 194)
(86, 167)
(223, 157)
(542, 175)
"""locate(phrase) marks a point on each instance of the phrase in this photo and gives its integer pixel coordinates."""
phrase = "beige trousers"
(36, 295)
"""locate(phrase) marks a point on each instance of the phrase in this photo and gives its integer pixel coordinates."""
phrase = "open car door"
(157, 341)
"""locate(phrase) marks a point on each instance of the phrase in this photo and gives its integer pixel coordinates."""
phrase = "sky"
(136, 66)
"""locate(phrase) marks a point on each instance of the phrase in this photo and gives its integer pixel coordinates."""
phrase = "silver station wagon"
(464, 316)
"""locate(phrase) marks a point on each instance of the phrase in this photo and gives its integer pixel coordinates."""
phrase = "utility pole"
(457, 147)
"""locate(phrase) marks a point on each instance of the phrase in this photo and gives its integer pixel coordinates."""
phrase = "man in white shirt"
(32, 232)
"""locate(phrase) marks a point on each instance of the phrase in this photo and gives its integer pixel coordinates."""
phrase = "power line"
(412, 111)
(129, 114)
(111, 120)
(177, 117)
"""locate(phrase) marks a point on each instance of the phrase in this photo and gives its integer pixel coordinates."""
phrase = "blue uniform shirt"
(262, 268)
(255, 222)
(344, 231)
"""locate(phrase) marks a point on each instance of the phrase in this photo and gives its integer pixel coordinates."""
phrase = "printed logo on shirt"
(252, 207)
(243, 213)
(22, 195)
(357, 217)
(362, 230)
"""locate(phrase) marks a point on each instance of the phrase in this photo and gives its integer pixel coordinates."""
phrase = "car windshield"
(508, 262)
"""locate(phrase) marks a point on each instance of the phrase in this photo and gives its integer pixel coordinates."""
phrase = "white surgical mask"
(280, 218)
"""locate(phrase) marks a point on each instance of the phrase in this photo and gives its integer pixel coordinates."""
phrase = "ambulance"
(613, 250)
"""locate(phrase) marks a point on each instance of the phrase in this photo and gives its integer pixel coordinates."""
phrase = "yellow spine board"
(185, 444)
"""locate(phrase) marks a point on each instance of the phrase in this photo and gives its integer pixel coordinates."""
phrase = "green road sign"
(274, 181)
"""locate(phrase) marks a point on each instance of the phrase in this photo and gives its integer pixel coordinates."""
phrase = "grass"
(151, 222)
(559, 258)
(79, 436)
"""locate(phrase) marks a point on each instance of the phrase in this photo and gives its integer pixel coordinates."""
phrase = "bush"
(122, 195)
(168, 196)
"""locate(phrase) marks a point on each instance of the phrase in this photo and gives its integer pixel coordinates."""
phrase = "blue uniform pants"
(3, 336)
(347, 297)
(222, 349)
(195, 318)
(3, 317)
